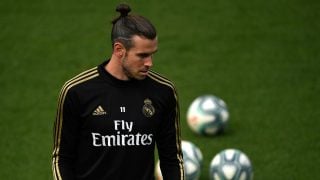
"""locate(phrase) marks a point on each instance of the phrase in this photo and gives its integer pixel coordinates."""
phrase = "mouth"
(144, 72)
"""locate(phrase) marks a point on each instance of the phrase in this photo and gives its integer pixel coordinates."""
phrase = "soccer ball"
(192, 161)
(207, 115)
(231, 164)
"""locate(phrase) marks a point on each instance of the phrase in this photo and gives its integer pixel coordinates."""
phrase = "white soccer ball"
(231, 164)
(207, 115)
(192, 161)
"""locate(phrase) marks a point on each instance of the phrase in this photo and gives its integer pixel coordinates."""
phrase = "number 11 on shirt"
(122, 109)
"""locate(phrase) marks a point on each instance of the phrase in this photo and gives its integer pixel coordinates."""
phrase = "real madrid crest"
(148, 109)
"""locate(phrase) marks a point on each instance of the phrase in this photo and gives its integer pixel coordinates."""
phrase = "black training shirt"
(107, 128)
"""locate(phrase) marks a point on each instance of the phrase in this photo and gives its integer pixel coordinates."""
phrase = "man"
(111, 117)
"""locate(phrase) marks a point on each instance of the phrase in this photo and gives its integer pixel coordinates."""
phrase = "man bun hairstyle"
(127, 25)
(123, 9)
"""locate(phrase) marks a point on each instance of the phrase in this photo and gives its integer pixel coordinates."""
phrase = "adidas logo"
(99, 111)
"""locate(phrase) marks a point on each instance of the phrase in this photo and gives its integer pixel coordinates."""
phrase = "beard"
(129, 71)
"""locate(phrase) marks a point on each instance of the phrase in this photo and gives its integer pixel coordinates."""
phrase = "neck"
(114, 67)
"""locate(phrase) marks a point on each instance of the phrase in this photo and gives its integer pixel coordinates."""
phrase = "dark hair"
(125, 26)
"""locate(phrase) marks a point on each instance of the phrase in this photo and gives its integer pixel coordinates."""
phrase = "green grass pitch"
(261, 57)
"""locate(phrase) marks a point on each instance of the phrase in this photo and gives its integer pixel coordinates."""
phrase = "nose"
(148, 61)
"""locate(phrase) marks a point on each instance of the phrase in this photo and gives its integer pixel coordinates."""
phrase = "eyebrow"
(146, 53)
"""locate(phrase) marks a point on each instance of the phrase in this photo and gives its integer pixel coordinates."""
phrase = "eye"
(143, 55)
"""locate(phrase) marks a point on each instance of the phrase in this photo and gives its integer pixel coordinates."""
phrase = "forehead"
(143, 44)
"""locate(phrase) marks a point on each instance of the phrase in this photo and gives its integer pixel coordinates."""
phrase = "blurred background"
(260, 57)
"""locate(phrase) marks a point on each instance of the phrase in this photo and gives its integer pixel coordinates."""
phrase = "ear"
(119, 50)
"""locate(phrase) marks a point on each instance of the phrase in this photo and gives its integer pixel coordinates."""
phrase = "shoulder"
(160, 80)
(163, 86)
(80, 79)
